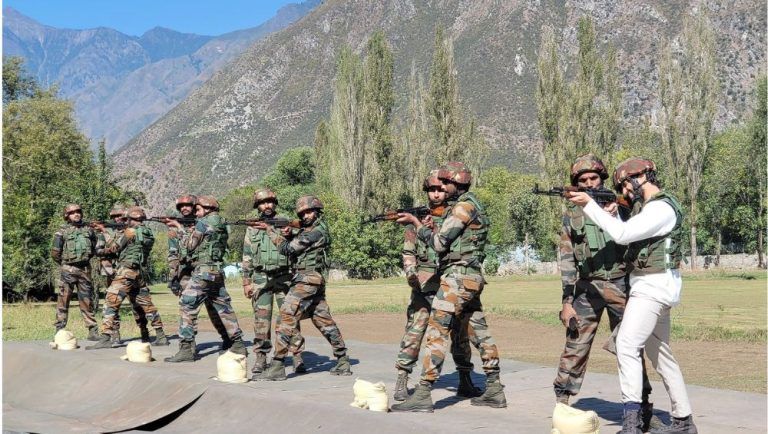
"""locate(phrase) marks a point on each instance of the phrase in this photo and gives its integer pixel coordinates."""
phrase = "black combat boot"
(160, 338)
(493, 395)
(342, 366)
(275, 372)
(466, 388)
(401, 386)
(105, 341)
(650, 420)
(683, 425)
(186, 353)
(93, 333)
(260, 363)
(115, 339)
(419, 402)
(144, 334)
(631, 423)
(298, 364)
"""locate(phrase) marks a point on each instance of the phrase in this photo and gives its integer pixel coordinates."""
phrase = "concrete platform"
(95, 391)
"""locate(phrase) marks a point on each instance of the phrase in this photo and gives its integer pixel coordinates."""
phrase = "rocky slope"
(231, 129)
(119, 83)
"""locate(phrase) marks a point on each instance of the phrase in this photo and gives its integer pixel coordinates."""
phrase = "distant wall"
(740, 261)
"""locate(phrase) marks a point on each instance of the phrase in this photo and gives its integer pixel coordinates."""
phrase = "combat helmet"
(117, 211)
(587, 163)
(186, 199)
(136, 213)
(263, 195)
(305, 203)
(631, 167)
(431, 181)
(455, 172)
(208, 202)
(70, 208)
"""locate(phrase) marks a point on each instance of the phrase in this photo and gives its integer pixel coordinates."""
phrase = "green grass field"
(717, 306)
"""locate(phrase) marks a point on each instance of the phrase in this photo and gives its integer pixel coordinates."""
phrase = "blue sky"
(134, 17)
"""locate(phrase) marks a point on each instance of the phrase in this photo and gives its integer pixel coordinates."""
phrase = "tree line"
(365, 157)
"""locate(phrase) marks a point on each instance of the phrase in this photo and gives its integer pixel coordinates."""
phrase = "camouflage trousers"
(306, 299)
(458, 300)
(201, 287)
(129, 283)
(268, 290)
(185, 273)
(417, 317)
(592, 297)
(75, 279)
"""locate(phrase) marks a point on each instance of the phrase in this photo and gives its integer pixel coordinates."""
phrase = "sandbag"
(370, 396)
(138, 352)
(569, 420)
(64, 340)
(232, 368)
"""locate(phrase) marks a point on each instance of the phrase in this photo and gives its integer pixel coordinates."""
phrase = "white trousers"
(646, 325)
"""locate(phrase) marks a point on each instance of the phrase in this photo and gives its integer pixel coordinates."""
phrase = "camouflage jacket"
(260, 254)
(177, 252)
(207, 241)
(73, 245)
(586, 252)
(309, 249)
(132, 246)
(460, 241)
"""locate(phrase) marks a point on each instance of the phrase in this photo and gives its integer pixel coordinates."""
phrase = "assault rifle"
(392, 215)
(274, 222)
(164, 219)
(111, 225)
(601, 195)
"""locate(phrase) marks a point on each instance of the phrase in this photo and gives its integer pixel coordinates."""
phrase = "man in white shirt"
(653, 235)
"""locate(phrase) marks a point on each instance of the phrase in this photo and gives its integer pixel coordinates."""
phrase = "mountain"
(230, 130)
(119, 83)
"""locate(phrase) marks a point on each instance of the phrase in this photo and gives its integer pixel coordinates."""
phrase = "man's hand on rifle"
(171, 223)
(259, 225)
(175, 286)
(405, 218)
(428, 222)
(578, 198)
(99, 226)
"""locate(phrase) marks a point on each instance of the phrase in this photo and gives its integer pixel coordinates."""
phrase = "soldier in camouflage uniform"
(594, 280)
(653, 236)
(181, 263)
(421, 267)
(308, 251)
(72, 249)
(460, 242)
(208, 241)
(132, 247)
(107, 263)
(266, 277)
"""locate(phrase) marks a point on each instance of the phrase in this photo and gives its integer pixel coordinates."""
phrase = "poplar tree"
(382, 188)
(757, 169)
(688, 92)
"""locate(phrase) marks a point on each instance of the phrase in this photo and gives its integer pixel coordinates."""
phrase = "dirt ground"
(723, 365)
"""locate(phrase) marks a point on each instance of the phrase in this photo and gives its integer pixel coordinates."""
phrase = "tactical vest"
(657, 254)
(596, 254)
(136, 254)
(316, 256)
(426, 257)
(214, 245)
(470, 245)
(268, 258)
(78, 245)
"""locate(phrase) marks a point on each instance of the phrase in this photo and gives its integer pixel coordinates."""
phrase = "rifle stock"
(391, 215)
